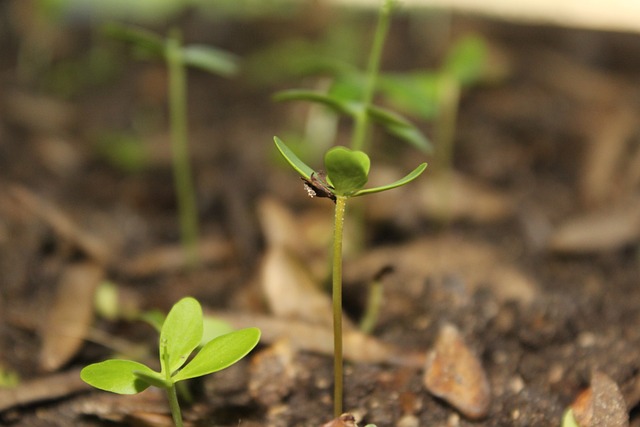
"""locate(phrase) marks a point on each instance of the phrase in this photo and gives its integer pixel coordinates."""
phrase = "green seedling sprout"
(353, 93)
(178, 57)
(374, 301)
(435, 95)
(347, 174)
(347, 169)
(180, 334)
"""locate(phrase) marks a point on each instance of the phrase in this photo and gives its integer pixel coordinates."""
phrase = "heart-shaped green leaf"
(407, 179)
(117, 376)
(180, 334)
(293, 160)
(347, 170)
(220, 353)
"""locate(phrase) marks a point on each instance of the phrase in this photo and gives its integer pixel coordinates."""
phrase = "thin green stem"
(174, 405)
(445, 130)
(373, 68)
(337, 304)
(449, 101)
(187, 212)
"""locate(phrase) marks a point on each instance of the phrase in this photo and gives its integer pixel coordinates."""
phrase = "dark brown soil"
(527, 137)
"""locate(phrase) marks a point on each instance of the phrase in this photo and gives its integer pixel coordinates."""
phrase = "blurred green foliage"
(145, 11)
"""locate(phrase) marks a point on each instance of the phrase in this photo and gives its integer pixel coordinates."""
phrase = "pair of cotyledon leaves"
(347, 170)
(180, 335)
(207, 58)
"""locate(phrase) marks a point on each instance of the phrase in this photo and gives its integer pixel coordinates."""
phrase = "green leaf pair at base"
(180, 335)
(347, 171)
(206, 58)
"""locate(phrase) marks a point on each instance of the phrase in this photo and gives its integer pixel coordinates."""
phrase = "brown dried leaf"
(605, 155)
(70, 315)
(146, 409)
(358, 347)
(474, 262)
(61, 223)
(308, 234)
(38, 113)
(45, 388)
(455, 374)
(606, 229)
(290, 290)
(453, 196)
(450, 196)
(171, 258)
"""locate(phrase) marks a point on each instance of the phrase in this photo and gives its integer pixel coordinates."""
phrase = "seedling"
(347, 170)
(180, 335)
(353, 92)
(435, 94)
(347, 173)
(177, 58)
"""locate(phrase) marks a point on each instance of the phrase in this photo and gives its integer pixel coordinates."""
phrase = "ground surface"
(537, 266)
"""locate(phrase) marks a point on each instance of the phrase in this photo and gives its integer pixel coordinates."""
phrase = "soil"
(537, 267)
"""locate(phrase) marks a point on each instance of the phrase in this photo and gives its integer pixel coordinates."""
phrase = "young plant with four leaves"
(178, 57)
(347, 169)
(180, 335)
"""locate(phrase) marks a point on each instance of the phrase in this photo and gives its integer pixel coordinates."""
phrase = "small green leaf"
(142, 39)
(348, 88)
(155, 318)
(413, 93)
(397, 125)
(220, 353)
(392, 122)
(467, 60)
(407, 179)
(181, 333)
(339, 105)
(207, 58)
(293, 160)
(117, 376)
(347, 170)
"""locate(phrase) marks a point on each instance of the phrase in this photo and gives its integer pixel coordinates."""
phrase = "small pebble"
(408, 421)
(344, 420)
(602, 404)
(454, 373)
